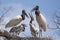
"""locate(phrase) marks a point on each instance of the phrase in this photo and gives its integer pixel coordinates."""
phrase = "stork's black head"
(24, 13)
(36, 8)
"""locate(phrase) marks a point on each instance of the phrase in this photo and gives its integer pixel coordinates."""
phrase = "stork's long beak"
(31, 16)
(26, 15)
(35, 8)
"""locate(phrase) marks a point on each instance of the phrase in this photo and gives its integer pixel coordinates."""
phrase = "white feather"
(34, 30)
(41, 21)
(13, 22)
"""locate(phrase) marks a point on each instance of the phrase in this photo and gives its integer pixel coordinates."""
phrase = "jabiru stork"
(41, 20)
(34, 30)
(15, 21)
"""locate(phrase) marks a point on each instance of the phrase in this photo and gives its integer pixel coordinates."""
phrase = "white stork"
(18, 29)
(41, 20)
(15, 21)
(34, 30)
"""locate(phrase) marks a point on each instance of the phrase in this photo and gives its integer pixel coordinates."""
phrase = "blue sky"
(47, 8)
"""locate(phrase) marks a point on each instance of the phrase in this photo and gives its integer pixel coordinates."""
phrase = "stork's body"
(15, 21)
(34, 30)
(40, 20)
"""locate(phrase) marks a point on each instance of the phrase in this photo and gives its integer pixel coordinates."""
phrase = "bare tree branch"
(48, 27)
(57, 19)
(6, 34)
(1, 18)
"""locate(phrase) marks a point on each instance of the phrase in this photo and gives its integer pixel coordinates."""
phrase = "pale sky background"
(47, 8)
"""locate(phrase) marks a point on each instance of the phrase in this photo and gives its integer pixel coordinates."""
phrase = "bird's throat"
(23, 17)
(37, 13)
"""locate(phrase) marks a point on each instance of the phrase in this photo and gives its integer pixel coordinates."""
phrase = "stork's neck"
(23, 17)
(31, 22)
(37, 12)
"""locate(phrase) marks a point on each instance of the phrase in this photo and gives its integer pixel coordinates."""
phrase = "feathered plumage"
(34, 30)
(18, 29)
(15, 21)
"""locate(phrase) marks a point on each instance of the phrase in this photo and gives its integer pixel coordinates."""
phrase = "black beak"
(26, 15)
(31, 16)
(35, 8)
(24, 12)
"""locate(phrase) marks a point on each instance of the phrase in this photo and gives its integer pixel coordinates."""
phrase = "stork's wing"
(43, 22)
(32, 28)
(13, 22)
